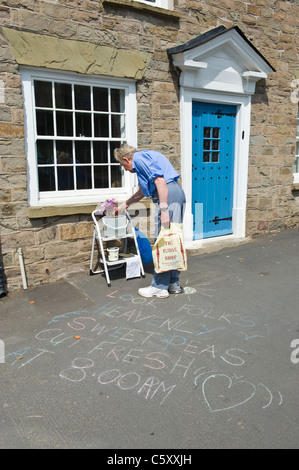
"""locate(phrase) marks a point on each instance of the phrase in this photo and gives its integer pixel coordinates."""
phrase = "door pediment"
(220, 60)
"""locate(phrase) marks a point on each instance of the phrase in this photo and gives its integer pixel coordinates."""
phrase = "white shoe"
(175, 288)
(152, 291)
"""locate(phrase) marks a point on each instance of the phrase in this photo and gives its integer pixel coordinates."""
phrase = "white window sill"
(143, 7)
(36, 212)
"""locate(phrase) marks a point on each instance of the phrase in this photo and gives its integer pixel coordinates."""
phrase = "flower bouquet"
(106, 207)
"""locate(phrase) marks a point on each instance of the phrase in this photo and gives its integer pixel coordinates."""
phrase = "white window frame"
(36, 198)
(296, 175)
(167, 4)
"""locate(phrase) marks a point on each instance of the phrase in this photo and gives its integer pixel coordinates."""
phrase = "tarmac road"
(86, 366)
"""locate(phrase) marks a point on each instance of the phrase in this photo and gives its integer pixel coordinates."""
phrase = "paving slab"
(87, 366)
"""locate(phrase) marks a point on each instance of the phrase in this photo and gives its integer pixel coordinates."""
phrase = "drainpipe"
(21, 260)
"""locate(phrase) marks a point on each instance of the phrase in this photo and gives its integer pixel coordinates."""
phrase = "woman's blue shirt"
(148, 165)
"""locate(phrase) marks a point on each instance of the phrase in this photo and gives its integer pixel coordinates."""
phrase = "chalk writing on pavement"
(129, 343)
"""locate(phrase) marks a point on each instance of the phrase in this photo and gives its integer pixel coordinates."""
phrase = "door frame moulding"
(243, 105)
(220, 66)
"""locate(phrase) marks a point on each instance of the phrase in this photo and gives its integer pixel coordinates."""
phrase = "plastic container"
(115, 226)
(145, 248)
(113, 253)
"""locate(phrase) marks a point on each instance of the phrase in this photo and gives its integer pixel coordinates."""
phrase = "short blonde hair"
(125, 150)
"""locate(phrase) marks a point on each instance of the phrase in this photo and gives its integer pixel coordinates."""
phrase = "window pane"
(207, 132)
(65, 177)
(101, 177)
(206, 157)
(63, 95)
(215, 144)
(215, 156)
(43, 94)
(44, 122)
(116, 176)
(46, 179)
(113, 146)
(44, 150)
(83, 152)
(82, 97)
(100, 152)
(64, 152)
(206, 144)
(83, 125)
(100, 99)
(101, 126)
(64, 123)
(83, 175)
(117, 101)
(216, 132)
(117, 124)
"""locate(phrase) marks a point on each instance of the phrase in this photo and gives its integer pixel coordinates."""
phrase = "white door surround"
(220, 66)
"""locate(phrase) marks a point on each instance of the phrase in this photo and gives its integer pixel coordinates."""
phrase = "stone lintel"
(40, 50)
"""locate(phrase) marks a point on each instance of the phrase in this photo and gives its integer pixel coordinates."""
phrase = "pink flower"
(106, 207)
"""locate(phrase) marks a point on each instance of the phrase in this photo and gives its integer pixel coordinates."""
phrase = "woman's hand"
(165, 219)
(135, 198)
(120, 209)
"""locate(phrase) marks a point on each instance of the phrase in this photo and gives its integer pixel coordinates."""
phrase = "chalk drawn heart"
(241, 388)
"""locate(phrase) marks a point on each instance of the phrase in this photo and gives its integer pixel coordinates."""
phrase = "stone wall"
(58, 244)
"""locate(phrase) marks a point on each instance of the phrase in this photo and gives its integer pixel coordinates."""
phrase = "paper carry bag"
(168, 251)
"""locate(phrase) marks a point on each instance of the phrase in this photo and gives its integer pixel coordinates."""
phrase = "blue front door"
(213, 145)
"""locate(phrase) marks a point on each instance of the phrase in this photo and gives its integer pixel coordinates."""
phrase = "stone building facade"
(156, 63)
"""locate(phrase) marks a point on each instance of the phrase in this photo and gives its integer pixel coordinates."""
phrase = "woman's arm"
(162, 190)
(135, 198)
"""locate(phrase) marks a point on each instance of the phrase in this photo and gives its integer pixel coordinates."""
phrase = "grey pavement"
(92, 367)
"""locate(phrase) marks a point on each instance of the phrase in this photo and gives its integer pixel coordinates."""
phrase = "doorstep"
(212, 245)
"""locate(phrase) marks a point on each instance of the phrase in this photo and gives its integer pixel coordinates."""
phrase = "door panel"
(213, 144)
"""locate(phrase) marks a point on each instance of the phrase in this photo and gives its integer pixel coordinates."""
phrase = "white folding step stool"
(101, 235)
